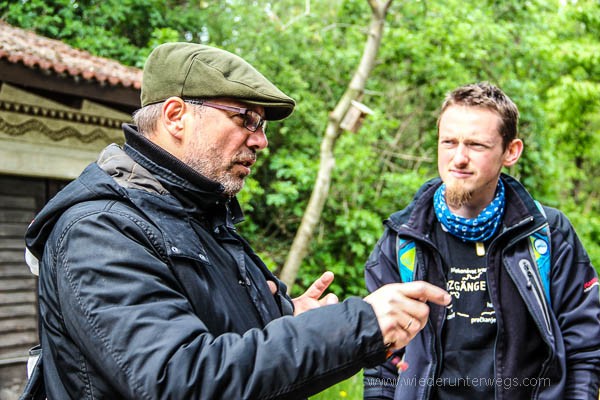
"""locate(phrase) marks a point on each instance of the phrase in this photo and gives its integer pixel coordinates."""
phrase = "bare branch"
(405, 157)
(354, 91)
(306, 13)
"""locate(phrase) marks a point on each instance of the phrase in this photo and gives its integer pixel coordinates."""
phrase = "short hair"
(147, 117)
(490, 97)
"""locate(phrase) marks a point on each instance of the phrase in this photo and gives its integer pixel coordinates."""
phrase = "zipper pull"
(525, 265)
(529, 284)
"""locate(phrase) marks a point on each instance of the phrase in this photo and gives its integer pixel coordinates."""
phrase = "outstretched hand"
(401, 309)
(312, 297)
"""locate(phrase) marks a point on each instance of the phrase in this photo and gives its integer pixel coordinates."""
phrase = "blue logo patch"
(541, 246)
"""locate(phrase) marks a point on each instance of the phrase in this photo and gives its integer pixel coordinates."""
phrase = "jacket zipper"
(533, 280)
(533, 283)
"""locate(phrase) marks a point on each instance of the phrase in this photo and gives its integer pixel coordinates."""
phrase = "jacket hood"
(78, 191)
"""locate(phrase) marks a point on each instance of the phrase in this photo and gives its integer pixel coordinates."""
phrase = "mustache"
(245, 156)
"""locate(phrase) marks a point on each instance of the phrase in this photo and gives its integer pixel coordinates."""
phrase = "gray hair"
(147, 117)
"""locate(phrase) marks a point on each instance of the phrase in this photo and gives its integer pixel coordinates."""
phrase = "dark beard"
(457, 196)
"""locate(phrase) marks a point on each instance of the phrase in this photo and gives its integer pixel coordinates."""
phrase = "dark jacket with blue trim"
(148, 292)
(558, 351)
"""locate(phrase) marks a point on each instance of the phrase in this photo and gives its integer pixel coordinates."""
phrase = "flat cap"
(192, 70)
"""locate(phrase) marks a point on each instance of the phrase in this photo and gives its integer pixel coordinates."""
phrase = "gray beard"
(232, 184)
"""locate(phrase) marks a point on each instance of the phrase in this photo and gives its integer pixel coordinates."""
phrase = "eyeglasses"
(252, 120)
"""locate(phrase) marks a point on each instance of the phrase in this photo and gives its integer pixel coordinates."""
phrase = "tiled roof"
(34, 51)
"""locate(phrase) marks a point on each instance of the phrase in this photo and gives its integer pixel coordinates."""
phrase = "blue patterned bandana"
(477, 229)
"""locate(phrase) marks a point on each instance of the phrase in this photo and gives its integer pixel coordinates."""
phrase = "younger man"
(512, 332)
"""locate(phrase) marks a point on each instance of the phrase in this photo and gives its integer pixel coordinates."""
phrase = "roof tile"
(20, 46)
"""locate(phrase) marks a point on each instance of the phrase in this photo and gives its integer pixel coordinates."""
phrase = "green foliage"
(350, 389)
(544, 54)
(125, 30)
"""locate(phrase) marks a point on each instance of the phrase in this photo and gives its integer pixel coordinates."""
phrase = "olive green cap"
(192, 70)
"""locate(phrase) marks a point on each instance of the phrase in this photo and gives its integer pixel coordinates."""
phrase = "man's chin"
(457, 195)
(234, 185)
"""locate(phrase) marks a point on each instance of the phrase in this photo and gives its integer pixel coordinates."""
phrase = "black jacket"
(148, 292)
(538, 354)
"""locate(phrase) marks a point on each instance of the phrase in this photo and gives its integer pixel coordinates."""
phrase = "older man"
(147, 291)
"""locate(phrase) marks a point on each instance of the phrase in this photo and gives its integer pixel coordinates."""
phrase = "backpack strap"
(406, 253)
(541, 246)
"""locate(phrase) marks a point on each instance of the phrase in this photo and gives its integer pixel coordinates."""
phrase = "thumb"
(272, 287)
(331, 298)
(320, 285)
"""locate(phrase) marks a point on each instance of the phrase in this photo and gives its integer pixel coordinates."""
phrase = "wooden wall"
(20, 199)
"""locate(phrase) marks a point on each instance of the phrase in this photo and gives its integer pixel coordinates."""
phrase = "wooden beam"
(126, 99)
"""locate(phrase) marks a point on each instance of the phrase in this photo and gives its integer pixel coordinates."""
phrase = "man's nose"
(461, 155)
(257, 140)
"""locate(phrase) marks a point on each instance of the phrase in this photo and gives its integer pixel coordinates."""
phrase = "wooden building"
(59, 107)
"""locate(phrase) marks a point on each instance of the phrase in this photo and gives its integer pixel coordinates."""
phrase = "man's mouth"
(246, 163)
(459, 173)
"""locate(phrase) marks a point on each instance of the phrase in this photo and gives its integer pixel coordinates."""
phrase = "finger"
(410, 315)
(401, 304)
(424, 291)
(412, 326)
(398, 338)
(411, 323)
(320, 285)
(405, 330)
(392, 327)
(272, 287)
(331, 298)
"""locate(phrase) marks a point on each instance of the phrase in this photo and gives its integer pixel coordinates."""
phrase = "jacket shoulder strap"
(541, 246)
(406, 253)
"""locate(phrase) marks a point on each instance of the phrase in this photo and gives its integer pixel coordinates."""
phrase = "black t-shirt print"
(469, 334)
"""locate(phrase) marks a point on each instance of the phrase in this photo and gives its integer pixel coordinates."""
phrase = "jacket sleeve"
(128, 316)
(380, 269)
(576, 304)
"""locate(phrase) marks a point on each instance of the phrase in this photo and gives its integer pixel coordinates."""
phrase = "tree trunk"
(355, 89)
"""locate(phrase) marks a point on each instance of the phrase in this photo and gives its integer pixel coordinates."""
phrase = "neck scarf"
(478, 229)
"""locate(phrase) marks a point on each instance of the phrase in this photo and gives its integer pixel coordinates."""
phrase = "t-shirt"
(469, 333)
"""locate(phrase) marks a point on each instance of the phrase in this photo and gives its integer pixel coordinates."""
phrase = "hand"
(310, 298)
(401, 310)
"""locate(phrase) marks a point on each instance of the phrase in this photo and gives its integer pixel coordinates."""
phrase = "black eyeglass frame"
(250, 116)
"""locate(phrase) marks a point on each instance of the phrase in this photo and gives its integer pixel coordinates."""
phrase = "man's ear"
(173, 110)
(513, 152)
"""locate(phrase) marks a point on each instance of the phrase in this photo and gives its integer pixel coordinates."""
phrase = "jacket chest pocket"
(195, 252)
(214, 295)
